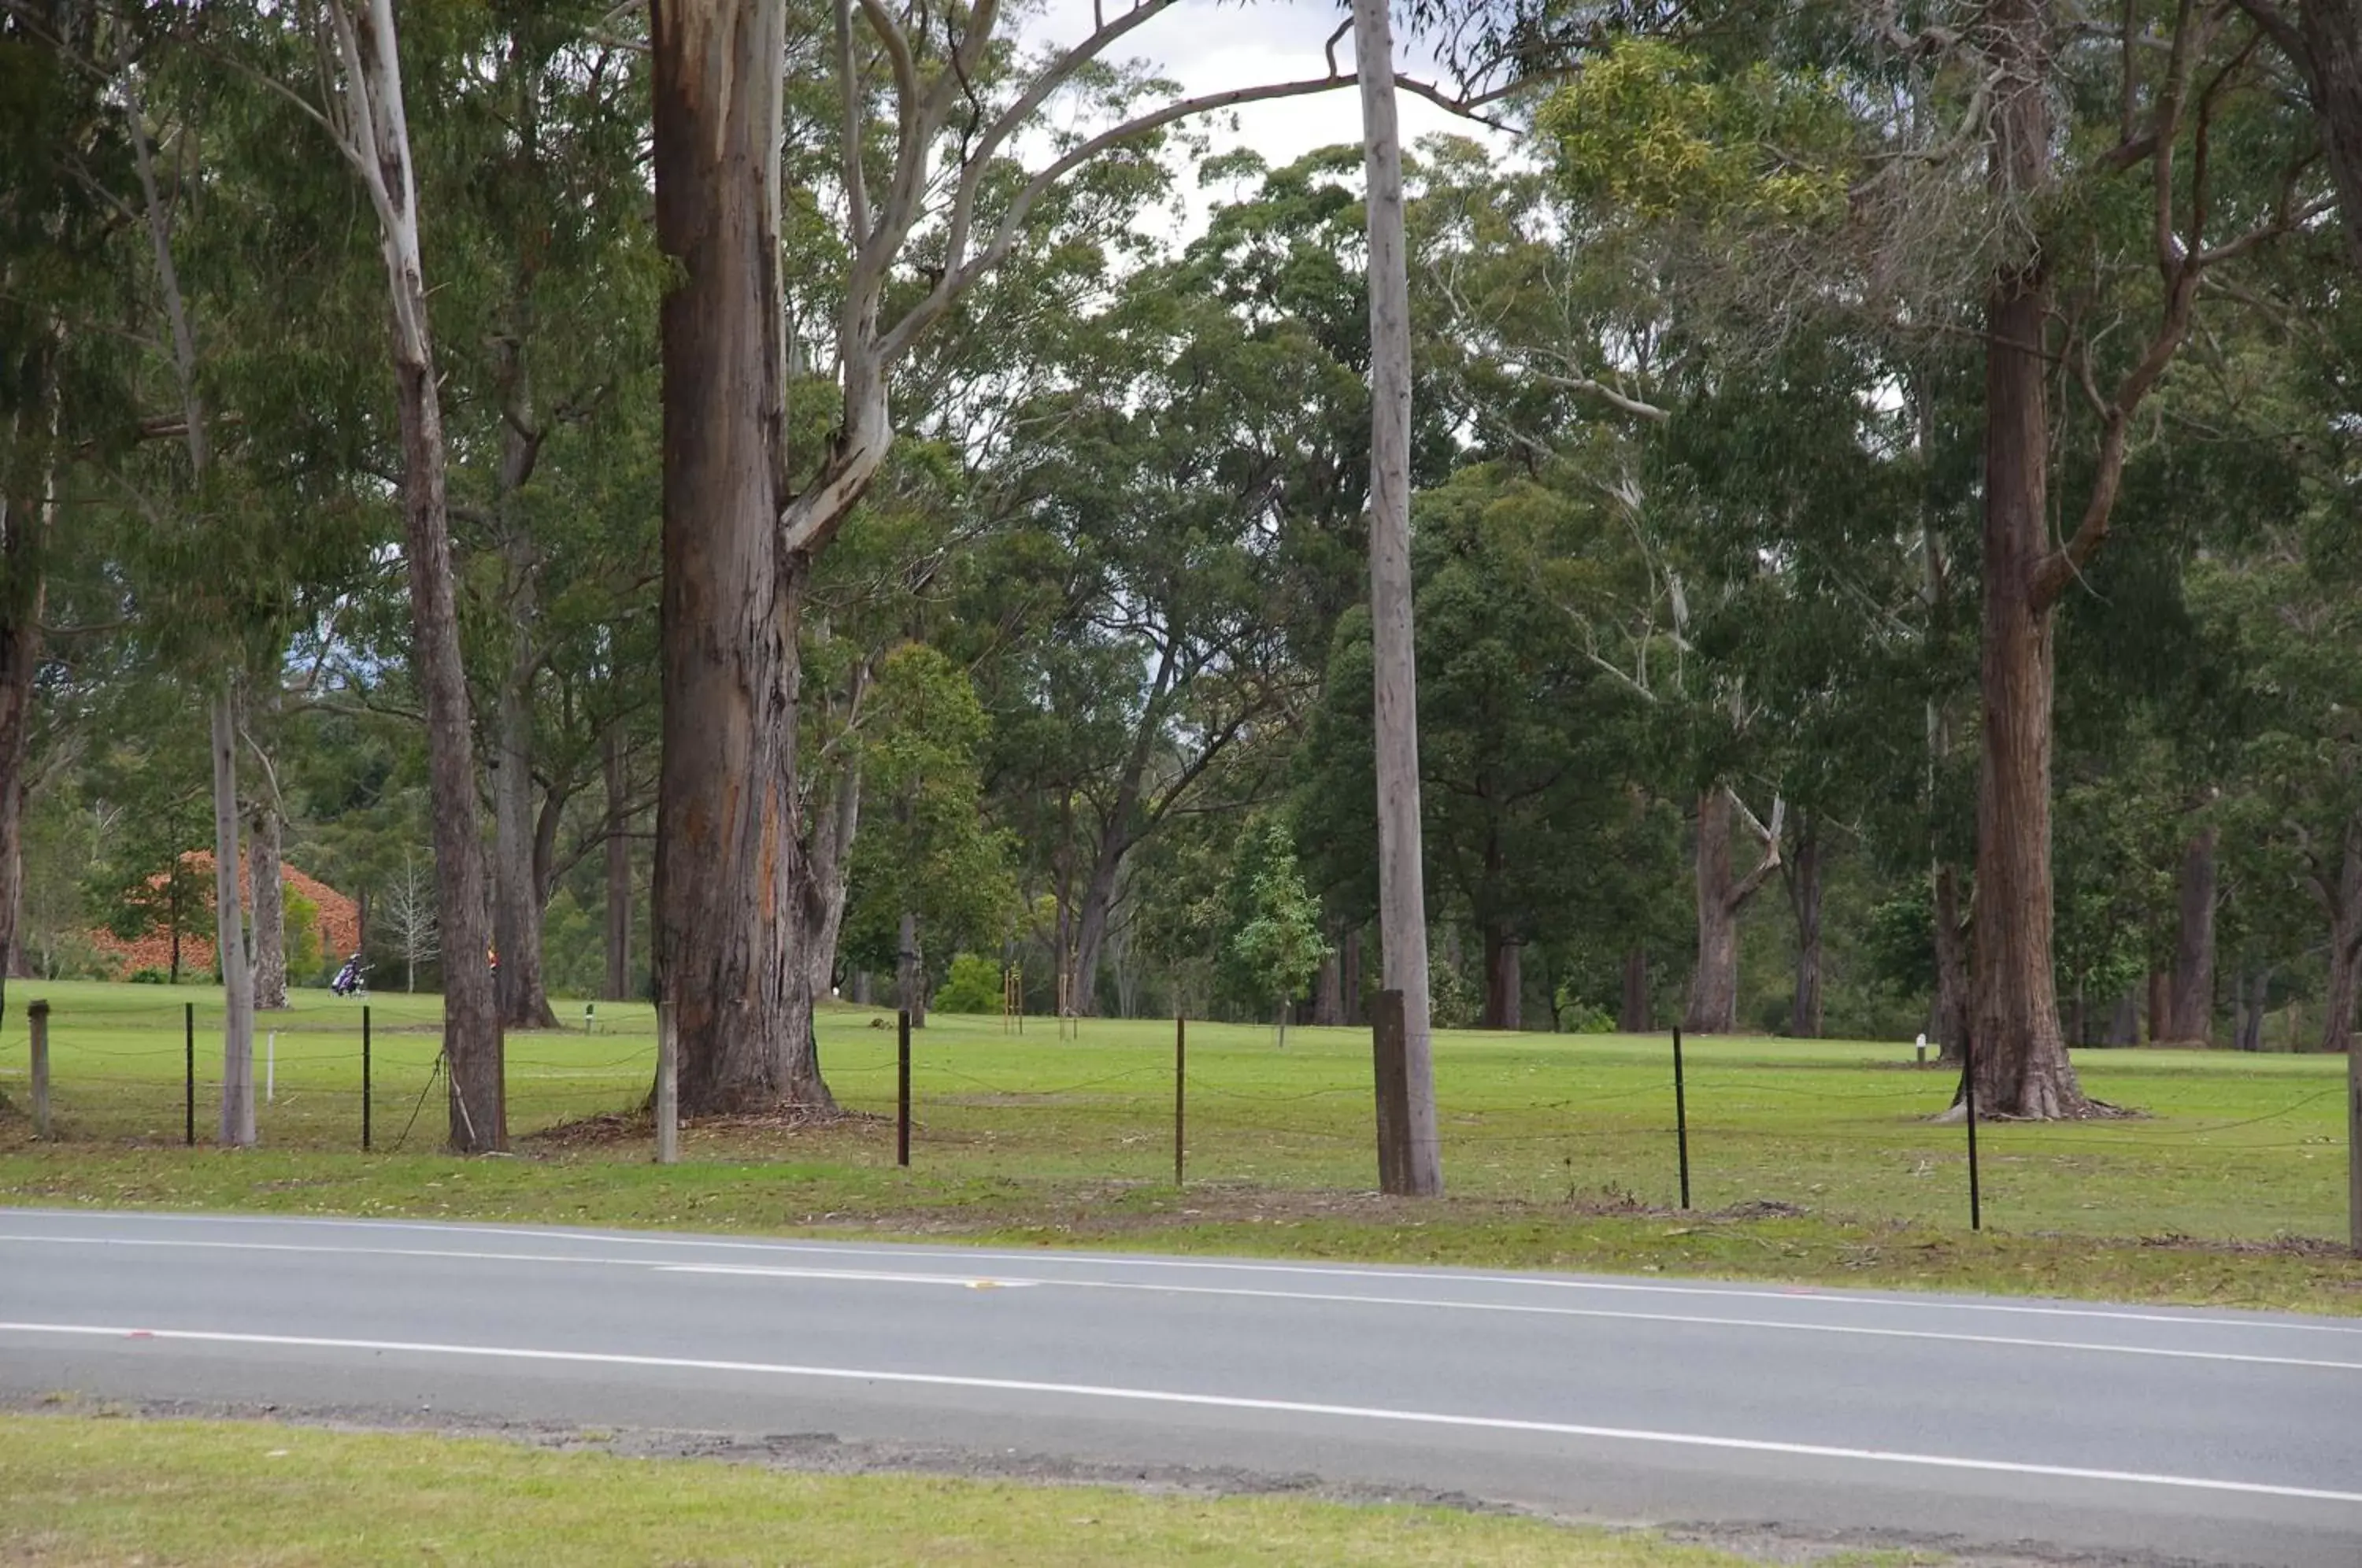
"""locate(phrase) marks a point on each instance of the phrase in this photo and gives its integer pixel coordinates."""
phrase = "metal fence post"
(668, 1087)
(1969, 1091)
(1681, 1116)
(38, 1016)
(902, 1088)
(365, 1077)
(189, 1070)
(1180, 1092)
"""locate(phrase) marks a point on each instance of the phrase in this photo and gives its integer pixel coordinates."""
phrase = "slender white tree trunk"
(229, 933)
(267, 889)
(375, 127)
(236, 1126)
(1402, 894)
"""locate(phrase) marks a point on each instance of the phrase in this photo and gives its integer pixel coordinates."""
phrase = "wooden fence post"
(1387, 1043)
(668, 1087)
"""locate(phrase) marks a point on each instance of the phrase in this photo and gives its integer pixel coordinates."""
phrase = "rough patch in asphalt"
(827, 1454)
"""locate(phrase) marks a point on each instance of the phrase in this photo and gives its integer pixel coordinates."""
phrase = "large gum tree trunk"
(1327, 984)
(2326, 44)
(2191, 1009)
(1632, 1007)
(614, 766)
(1505, 979)
(1721, 898)
(729, 854)
(516, 881)
(2021, 1055)
(1803, 874)
(25, 513)
(1713, 984)
(2021, 1058)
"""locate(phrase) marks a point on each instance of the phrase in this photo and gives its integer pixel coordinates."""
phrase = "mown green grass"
(1558, 1151)
(83, 1490)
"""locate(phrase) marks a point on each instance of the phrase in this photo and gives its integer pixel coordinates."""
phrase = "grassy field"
(83, 1490)
(1810, 1159)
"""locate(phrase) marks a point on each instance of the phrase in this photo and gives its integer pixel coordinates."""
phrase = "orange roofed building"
(339, 922)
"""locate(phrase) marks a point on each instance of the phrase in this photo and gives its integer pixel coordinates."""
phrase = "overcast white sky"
(1209, 46)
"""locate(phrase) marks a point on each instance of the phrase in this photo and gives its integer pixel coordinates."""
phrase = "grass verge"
(1813, 1160)
(88, 1490)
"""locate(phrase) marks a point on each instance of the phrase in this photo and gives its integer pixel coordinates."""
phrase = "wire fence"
(1531, 1119)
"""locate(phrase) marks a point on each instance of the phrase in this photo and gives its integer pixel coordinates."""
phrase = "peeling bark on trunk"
(237, 1125)
(1092, 920)
(2192, 1001)
(1713, 984)
(266, 876)
(1721, 898)
(1505, 982)
(1804, 881)
(1632, 1010)
(729, 894)
(614, 762)
(2021, 1055)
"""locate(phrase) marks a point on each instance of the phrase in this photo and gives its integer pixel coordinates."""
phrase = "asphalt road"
(2219, 1437)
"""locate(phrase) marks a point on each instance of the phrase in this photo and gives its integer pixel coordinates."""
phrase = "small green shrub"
(973, 987)
(300, 925)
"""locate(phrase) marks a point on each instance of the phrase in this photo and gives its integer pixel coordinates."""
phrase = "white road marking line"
(2189, 1319)
(1211, 1401)
(973, 1282)
(655, 1265)
(1162, 1288)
